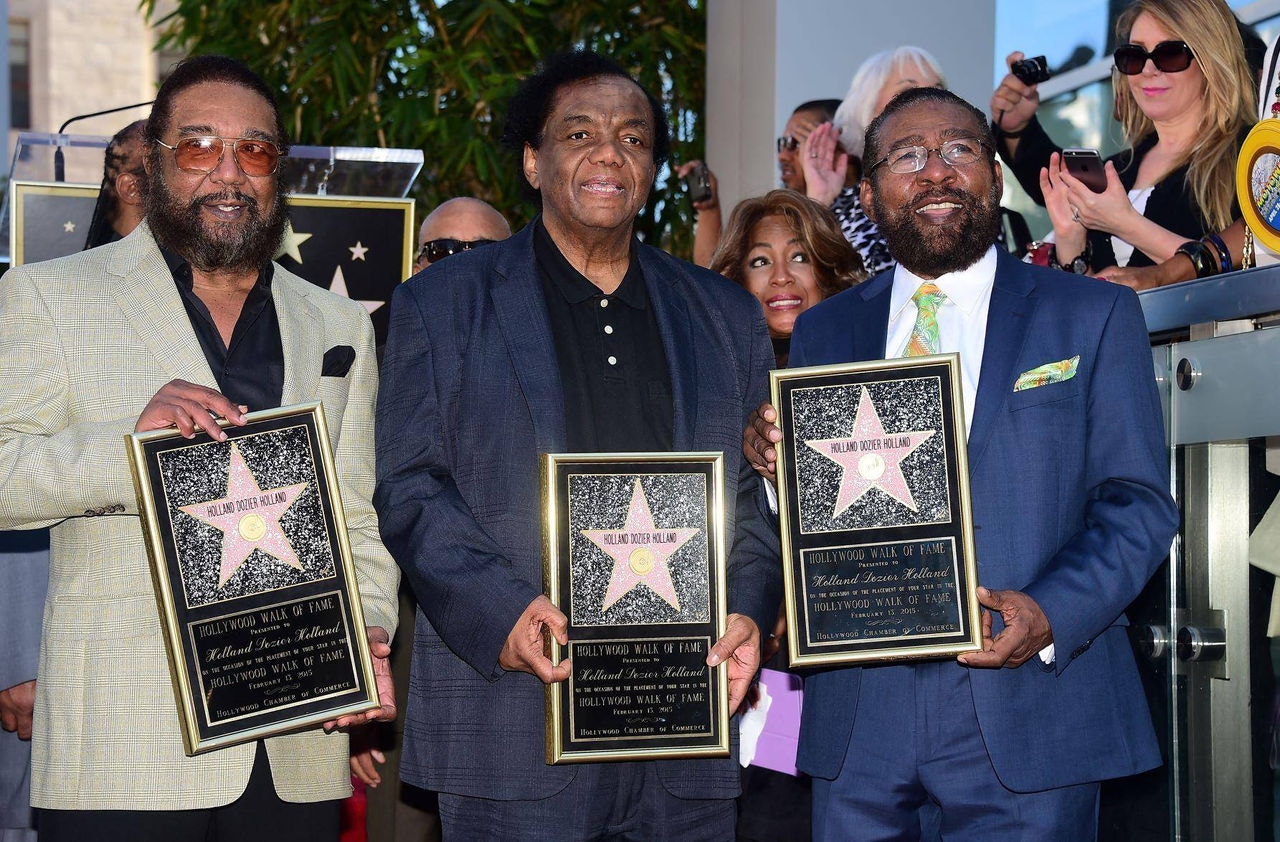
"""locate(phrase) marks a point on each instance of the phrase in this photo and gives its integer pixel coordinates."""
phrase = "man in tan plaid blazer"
(183, 320)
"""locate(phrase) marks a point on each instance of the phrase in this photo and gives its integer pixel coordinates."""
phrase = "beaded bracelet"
(1078, 265)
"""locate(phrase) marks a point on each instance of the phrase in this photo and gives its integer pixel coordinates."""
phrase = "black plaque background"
(875, 630)
(658, 728)
(311, 684)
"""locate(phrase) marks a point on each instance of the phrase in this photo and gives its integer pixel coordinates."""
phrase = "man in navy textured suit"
(1071, 509)
(569, 336)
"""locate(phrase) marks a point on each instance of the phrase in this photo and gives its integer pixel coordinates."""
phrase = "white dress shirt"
(962, 328)
(962, 319)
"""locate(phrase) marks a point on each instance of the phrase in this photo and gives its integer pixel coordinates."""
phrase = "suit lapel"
(871, 322)
(144, 289)
(522, 317)
(1012, 303)
(301, 337)
(663, 280)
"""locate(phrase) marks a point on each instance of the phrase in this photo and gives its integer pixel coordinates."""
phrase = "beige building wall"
(87, 56)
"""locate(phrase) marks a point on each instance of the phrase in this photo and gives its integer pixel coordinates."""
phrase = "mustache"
(224, 198)
(941, 194)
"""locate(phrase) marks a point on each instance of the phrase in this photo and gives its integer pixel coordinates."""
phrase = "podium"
(352, 228)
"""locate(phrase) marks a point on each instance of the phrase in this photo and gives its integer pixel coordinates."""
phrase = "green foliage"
(437, 76)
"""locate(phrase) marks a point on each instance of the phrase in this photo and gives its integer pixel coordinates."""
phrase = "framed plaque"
(634, 556)
(253, 575)
(877, 533)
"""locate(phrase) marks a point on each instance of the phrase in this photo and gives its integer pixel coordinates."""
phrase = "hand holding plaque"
(384, 684)
(873, 501)
(758, 441)
(634, 558)
(526, 646)
(739, 649)
(1026, 631)
(189, 408)
(253, 572)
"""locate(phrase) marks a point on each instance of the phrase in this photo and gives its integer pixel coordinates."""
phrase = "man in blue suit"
(569, 336)
(1071, 510)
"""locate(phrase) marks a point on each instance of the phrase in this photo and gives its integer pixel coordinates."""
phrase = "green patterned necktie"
(924, 336)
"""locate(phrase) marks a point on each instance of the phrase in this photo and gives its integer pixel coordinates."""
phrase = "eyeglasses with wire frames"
(436, 250)
(1167, 56)
(906, 160)
(203, 154)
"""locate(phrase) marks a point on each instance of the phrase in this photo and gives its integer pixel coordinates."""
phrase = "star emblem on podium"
(870, 458)
(641, 552)
(249, 518)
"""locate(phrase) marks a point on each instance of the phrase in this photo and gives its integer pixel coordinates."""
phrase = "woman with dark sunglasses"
(1184, 99)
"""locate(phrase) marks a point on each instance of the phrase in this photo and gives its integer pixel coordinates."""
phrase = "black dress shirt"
(249, 371)
(617, 389)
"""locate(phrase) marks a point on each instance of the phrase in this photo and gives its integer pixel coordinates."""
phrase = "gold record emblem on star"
(249, 518)
(252, 527)
(869, 457)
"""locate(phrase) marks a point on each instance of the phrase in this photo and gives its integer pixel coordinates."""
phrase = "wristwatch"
(1078, 265)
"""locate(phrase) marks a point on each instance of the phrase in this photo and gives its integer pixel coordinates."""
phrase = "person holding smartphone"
(1184, 98)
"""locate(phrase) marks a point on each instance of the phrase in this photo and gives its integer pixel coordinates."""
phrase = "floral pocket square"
(1043, 375)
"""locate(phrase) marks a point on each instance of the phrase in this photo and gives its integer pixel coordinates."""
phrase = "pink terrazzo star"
(249, 518)
(641, 552)
(870, 457)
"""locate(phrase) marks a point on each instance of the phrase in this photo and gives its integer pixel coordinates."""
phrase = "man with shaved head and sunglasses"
(457, 225)
(183, 322)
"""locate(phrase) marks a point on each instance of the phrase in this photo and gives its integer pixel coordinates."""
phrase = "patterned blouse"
(861, 232)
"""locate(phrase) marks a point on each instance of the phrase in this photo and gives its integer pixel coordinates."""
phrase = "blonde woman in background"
(1184, 98)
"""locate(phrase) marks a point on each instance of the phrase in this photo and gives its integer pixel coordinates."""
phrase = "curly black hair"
(531, 105)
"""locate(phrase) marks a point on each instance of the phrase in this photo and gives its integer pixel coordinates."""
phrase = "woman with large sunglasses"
(1184, 98)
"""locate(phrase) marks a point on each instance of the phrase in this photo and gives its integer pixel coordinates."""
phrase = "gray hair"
(854, 114)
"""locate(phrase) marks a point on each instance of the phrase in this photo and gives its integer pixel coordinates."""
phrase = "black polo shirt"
(249, 371)
(617, 389)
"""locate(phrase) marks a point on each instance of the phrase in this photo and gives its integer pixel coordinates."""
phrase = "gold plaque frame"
(877, 531)
(640, 688)
(75, 203)
(257, 592)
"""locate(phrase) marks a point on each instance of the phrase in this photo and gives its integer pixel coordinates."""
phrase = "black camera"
(1031, 71)
(698, 183)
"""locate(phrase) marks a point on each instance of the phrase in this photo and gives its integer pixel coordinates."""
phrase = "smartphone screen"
(1086, 165)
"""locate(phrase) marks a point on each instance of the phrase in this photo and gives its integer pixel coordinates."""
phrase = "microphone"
(59, 162)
